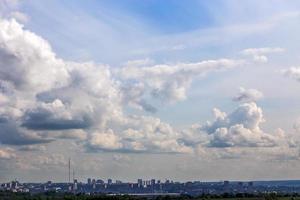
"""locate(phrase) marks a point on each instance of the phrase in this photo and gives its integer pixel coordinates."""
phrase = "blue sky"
(139, 21)
(151, 28)
(189, 88)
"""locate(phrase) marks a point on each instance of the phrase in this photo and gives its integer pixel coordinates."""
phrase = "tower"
(69, 170)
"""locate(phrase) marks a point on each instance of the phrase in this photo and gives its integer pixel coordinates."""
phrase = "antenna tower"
(69, 166)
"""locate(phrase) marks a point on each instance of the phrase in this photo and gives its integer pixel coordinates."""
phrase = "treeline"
(68, 196)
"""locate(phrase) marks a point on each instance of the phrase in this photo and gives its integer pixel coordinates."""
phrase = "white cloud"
(292, 72)
(248, 95)
(53, 95)
(27, 60)
(45, 98)
(41, 92)
(140, 134)
(260, 54)
(105, 141)
(154, 135)
(171, 82)
(241, 128)
(132, 95)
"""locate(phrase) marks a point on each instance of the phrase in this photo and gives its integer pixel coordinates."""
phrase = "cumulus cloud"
(241, 128)
(260, 54)
(248, 95)
(152, 135)
(41, 93)
(54, 116)
(105, 141)
(133, 96)
(171, 82)
(27, 60)
(44, 98)
(140, 134)
(292, 72)
(12, 134)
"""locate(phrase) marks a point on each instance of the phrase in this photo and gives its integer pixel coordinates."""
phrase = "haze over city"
(154, 89)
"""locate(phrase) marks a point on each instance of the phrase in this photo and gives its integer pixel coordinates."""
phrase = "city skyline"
(129, 89)
(153, 188)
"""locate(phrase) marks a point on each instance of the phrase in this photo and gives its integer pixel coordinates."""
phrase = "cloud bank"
(45, 98)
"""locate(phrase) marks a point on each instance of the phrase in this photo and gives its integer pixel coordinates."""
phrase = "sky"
(128, 89)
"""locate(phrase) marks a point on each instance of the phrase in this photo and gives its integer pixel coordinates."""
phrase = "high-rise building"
(152, 181)
(226, 183)
(75, 184)
(109, 181)
(14, 184)
(89, 181)
(140, 182)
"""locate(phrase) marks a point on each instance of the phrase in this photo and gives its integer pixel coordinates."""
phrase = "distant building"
(152, 181)
(140, 182)
(14, 184)
(99, 181)
(153, 187)
(75, 187)
(89, 181)
(226, 183)
(109, 181)
(148, 183)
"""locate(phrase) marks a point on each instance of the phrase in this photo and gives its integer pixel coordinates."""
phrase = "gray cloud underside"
(44, 120)
(11, 134)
